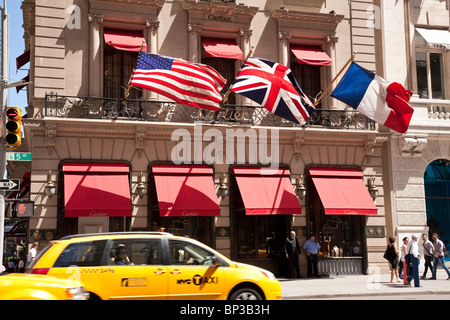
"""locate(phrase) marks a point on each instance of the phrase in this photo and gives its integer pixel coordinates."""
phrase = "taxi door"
(192, 274)
(135, 270)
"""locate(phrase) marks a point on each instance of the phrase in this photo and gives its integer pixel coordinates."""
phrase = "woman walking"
(392, 258)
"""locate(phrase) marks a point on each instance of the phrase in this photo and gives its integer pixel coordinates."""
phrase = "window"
(118, 66)
(135, 252)
(226, 67)
(186, 253)
(308, 78)
(430, 80)
(81, 254)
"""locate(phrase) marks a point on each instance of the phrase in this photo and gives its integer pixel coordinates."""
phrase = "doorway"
(437, 199)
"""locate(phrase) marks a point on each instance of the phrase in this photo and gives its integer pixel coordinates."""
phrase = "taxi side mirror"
(216, 261)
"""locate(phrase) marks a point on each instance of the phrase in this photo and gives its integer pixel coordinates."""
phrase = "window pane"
(186, 253)
(421, 67)
(81, 254)
(135, 252)
(118, 66)
(437, 86)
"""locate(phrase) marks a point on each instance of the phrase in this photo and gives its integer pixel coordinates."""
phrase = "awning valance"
(433, 38)
(312, 55)
(222, 48)
(96, 190)
(342, 191)
(124, 39)
(185, 191)
(266, 191)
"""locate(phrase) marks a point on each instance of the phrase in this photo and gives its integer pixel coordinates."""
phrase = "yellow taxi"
(19, 286)
(153, 265)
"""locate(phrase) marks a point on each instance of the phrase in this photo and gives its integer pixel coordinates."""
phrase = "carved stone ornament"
(412, 146)
(50, 137)
(140, 140)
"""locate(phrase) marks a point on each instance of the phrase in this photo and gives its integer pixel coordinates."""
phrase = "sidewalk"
(359, 285)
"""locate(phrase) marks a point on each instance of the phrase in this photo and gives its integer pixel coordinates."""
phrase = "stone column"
(245, 34)
(95, 69)
(151, 26)
(330, 73)
(194, 49)
(283, 47)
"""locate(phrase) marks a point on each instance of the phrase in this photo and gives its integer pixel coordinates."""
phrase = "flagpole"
(127, 93)
(225, 97)
(334, 79)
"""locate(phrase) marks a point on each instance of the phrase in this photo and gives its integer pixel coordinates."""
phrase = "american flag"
(188, 83)
(273, 86)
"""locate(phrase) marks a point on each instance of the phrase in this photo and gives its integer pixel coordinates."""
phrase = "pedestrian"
(413, 254)
(11, 265)
(292, 251)
(402, 269)
(392, 258)
(438, 256)
(32, 253)
(311, 248)
(21, 266)
(428, 249)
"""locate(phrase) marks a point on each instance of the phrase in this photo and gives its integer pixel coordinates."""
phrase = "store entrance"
(259, 240)
(437, 199)
(341, 238)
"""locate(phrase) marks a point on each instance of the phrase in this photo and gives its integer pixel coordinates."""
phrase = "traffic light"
(14, 127)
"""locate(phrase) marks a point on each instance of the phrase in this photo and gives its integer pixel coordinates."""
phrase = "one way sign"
(10, 184)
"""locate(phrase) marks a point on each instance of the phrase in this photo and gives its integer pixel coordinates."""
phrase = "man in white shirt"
(32, 253)
(413, 250)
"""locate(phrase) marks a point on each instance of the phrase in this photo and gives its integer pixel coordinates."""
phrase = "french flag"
(380, 100)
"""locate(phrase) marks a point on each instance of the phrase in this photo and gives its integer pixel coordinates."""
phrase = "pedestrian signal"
(14, 126)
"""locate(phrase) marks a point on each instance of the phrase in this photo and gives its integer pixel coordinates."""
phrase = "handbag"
(385, 255)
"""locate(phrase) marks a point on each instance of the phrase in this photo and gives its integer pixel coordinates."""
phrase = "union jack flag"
(185, 82)
(273, 86)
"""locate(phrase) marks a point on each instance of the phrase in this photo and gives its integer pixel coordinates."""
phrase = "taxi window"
(135, 252)
(81, 254)
(187, 253)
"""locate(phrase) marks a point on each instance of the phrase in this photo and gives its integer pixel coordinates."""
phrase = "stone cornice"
(138, 3)
(219, 8)
(328, 18)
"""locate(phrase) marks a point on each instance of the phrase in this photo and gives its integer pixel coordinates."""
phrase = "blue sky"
(16, 48)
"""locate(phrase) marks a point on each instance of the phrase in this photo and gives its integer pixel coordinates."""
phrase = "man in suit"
(292, 250)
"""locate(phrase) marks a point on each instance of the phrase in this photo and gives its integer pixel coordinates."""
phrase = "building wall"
(65, 61)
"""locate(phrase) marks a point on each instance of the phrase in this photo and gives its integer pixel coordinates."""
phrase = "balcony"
(162, 111)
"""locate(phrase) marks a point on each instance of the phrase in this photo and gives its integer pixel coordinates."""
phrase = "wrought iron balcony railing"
(161, 111)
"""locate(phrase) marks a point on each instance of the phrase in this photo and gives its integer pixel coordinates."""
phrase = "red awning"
(266, 191)
(222, 48)
(124, 39)
(23, 59)
(342, 191)
(312, 55)
(96, 190)
(185, 191)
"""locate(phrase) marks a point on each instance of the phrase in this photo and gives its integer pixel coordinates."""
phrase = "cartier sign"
(219, 18)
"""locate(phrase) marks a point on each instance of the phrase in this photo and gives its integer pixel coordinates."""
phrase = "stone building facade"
(77, 116)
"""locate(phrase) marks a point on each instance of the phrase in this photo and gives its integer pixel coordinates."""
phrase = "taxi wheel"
(246, 294)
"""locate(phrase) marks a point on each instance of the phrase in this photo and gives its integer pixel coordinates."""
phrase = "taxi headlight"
(268, 274)
(77, 294)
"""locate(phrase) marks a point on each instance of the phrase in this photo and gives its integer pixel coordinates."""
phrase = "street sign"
(18, 156)
(10, 184)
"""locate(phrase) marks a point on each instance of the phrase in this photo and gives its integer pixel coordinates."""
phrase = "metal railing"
(162, 111)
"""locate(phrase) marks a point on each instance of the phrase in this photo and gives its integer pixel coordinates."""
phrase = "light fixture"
(50, 187)
(223, 189)
(141, 188)
(373, 190)
(300, 186)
